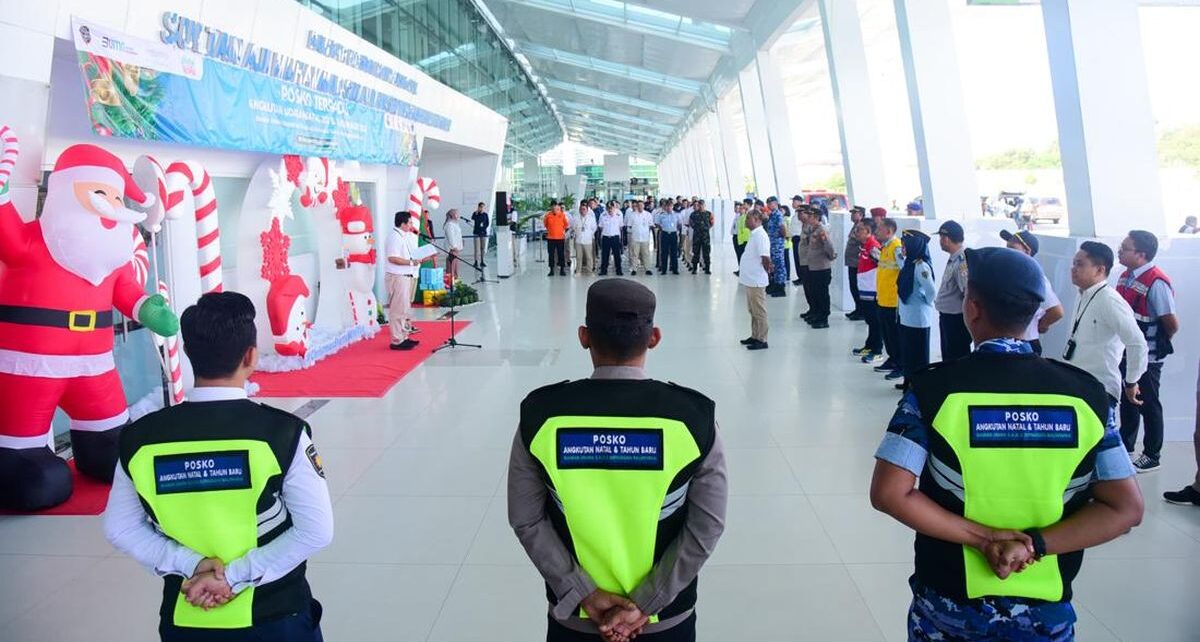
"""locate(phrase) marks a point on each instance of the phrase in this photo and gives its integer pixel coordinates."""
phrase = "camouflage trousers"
(935, 618)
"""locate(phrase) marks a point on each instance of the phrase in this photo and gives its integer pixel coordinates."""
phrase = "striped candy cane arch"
(424, 189)
(191, 176)
(8, 158)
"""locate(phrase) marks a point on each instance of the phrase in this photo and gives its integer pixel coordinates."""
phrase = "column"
(947, 166)
(783, 156)
(757, 131)
(1105, 119)
(862, 156)
(731, 157)
(717, 145)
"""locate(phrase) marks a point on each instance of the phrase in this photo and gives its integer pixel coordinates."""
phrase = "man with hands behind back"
(1020, 467)
(223, 498)
(617, 485)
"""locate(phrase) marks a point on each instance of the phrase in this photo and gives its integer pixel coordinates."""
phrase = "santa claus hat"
(355, 220)
(280, 300)
(88, 162)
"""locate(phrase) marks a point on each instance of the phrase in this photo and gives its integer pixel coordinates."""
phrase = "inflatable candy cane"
(424, 189)
(190, 175)
(174, 365)
(8, 158)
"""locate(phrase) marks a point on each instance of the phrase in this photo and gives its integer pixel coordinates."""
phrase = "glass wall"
(451, 42)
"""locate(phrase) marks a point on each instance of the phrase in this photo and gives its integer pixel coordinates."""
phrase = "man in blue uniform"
(1021, 467)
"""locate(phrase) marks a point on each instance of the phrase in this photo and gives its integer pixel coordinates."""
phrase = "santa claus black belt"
(74, 320)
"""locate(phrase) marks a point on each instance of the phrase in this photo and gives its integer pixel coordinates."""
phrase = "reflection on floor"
(423, 550)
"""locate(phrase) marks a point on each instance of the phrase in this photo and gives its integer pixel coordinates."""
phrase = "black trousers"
(738, 248)
(800, 267)
(956, 340)
(669, 256)
(802, 277)
(702, 254)
(870, 314)
(610, 245)
(816, 287)
(557, 250)
(889, 327)
(914, 349)
(299, 627)
(1149, 414)
(683, 632)
(852, 272)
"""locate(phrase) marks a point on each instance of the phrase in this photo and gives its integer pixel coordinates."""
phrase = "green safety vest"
(1013, 446)
(210, 476)
(743, 232)
(618, 456)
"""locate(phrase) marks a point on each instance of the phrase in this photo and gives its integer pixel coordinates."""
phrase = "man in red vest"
(1148, 290)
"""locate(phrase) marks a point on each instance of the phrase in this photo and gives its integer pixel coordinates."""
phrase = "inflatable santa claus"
(287, 302)
(61, 277)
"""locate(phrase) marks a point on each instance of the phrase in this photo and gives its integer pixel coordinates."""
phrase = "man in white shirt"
(640, 234)
(400, 274)
(1103, 329)
(753, 274)
(1051, 310)
(611, 225)
(583, 226)
(223, 498)
(452, 229)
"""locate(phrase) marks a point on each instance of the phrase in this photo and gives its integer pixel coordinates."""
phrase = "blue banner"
(232, 107)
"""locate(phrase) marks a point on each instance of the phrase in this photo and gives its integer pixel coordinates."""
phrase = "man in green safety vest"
(617, 484)
(223, 498)
(1021, 467)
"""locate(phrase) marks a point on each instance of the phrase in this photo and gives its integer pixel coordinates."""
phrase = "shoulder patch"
(314, 458)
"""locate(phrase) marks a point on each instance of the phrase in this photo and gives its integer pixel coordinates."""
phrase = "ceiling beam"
(604, 14)
(580, 123)
(623, 99)
(611, 138)
(592, 110)
(619, 70)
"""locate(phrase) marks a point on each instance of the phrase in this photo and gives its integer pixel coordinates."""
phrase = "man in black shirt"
(481, 220)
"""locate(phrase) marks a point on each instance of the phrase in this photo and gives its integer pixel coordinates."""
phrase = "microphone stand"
(452, 342)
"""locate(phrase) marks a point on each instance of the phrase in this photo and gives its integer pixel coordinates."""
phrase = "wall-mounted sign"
(152, 91)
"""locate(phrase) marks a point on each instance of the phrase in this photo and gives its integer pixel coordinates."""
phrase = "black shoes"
(1188, 495)
(551, 273)
(747, 341)
(797, 282)
(649, 273)
(819, 325)
(407, 344)
(757, 345)
(562, 272)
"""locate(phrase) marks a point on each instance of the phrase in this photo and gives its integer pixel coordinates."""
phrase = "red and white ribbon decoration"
(141, 258)
(424, 189)
(8, 158)
(190, 175)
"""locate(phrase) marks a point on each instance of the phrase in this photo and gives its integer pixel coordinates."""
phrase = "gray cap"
(620, 301)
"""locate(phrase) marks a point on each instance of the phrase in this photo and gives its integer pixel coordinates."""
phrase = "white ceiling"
(643, 61)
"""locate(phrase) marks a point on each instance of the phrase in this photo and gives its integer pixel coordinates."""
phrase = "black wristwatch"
(1039, 543)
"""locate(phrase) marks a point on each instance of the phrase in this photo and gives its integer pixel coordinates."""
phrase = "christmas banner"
(140, 89)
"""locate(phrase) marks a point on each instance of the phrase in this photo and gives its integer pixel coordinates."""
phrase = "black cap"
(798, 198)
(1025, 238)
(953, 231)
(620, 301)
(772, 199)
(1001, 271)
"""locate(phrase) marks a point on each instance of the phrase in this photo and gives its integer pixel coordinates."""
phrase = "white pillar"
(862, 156)
(713, 127)
(948, 181)
(783, 157)
(731, 157)
(757, 131)
(1105, 119)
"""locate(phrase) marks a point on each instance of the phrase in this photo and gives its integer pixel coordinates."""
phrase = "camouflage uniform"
(934, 617)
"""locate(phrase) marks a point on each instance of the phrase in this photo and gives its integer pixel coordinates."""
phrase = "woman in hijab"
(917, 292)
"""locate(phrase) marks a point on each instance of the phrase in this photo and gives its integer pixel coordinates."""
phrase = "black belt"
(75, 320)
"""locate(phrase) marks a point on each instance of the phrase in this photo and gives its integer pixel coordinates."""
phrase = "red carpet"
(90, 497)
(366, 369)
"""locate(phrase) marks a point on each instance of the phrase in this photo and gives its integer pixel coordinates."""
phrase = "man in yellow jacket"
(888, 296)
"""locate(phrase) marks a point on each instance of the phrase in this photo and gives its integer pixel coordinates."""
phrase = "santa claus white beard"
(79, 242)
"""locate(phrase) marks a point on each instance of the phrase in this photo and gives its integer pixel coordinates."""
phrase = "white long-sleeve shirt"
(305, 496)
(1107, 331)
